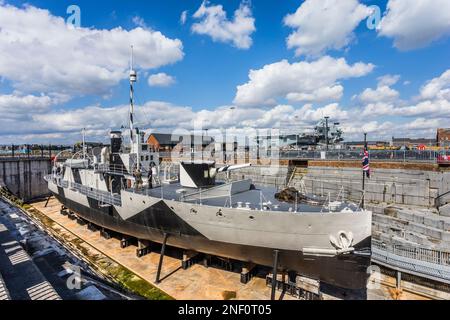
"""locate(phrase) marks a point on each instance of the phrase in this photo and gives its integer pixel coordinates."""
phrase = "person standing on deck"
(150, 176)
(138, 179)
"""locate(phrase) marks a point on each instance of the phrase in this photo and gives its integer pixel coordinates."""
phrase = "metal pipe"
(274, 273)
(161, 257)
(84, 143)
(398, 280)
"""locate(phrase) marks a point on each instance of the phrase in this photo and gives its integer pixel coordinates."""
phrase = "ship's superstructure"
(125, 189)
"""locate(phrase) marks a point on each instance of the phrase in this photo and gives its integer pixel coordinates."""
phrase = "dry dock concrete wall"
(393, 186)
(263, 175)
(25, 177)
(420, 227)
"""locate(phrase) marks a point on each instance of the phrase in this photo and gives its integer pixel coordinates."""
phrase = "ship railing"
(422, 262)
(104, 197)
(116, 169)
(110, 168)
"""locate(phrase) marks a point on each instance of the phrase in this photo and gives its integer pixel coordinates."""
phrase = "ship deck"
(262, 196)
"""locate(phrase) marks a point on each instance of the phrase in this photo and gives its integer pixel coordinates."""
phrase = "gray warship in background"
(113, 189)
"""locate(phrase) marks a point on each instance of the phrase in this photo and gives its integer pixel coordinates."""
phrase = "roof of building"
(370, 143)
(443, 131)
(174, 139)
(413, 140)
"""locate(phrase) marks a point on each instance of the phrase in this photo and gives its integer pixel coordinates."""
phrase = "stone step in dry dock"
(4, 293)
(21, 277)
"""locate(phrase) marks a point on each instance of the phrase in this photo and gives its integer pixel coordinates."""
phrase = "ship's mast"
(133, 79)
(83, 133)
(134, 138)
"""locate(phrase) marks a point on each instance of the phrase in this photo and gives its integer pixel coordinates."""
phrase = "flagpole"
(364, 176)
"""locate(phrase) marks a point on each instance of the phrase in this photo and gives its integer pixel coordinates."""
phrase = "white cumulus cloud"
(437, 88)
(315, 81)
(324, 25)
(160, 80)
(214, 22)
(18, 106)
(41, 53)
(388, 80)
(415, 23)
(382, 94)
(183, 17)
(433, 102)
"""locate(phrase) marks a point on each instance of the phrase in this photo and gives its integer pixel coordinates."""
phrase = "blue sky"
(207, 71)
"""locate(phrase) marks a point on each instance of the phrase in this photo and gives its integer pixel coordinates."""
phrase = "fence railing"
(31, 151)
(426, 263)
(383, 155)
(428, 156)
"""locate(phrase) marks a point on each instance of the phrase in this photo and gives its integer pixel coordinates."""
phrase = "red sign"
(443, 158)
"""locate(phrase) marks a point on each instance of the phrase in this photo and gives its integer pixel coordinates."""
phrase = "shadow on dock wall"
(25, 177)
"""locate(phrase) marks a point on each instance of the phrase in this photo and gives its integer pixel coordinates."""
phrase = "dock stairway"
(414, 227)
(4, 293)
(21, 279)
(297, 176)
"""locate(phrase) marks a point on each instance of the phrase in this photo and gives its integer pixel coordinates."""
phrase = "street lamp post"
(364, 175)
(326, 131)
(203, 142)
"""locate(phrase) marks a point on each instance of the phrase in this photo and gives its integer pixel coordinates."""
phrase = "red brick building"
(169, 142)
(443, 138)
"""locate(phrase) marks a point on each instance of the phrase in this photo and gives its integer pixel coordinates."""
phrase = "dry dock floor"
(196, 283)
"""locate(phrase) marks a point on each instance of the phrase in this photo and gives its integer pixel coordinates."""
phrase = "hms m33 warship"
(121, 189)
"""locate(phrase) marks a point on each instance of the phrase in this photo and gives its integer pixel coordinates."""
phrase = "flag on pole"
(366, 163)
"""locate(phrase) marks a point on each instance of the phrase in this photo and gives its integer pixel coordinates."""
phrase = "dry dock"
(196, 283)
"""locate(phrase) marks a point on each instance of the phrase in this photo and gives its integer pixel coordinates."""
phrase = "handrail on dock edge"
(425, 263)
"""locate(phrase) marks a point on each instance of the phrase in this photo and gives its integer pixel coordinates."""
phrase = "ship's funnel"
(203, 174)
(116, 141)
(196, 174)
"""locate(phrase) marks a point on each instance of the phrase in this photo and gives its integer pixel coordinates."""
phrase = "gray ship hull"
(207, 230)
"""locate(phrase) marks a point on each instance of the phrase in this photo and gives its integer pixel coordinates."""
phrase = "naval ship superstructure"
(122, 189)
